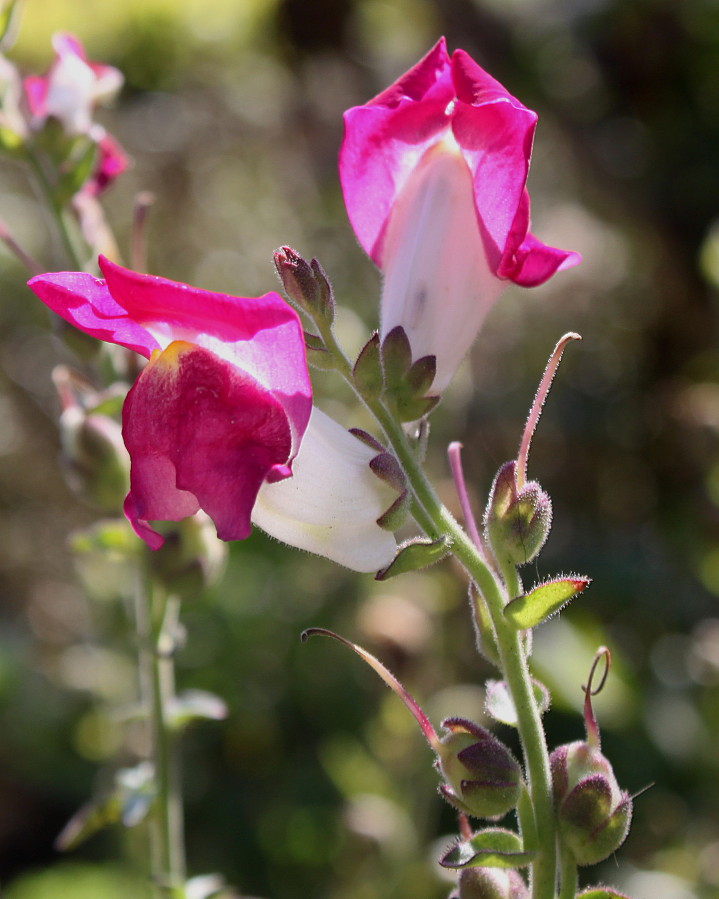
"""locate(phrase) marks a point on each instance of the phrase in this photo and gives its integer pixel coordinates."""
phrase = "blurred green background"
(319, 784)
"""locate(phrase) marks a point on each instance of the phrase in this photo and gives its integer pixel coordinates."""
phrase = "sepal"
(420, 552)
(407, 382)
(494, 847)
(367, 371)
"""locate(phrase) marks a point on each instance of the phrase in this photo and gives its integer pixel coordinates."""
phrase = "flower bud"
(191, 558)
(594, 814)
(491, 883)
(483, 777)
(517, 522)
(96, 462)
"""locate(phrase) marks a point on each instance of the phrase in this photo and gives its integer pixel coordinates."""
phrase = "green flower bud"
(483, 777)
(191, 558)
(97, 466)
(491, 883)
(517, 522)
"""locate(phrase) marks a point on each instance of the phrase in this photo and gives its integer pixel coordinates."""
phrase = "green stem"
(157, 691)
(166, 758)
(569, 876)
(58, 212)
(432, 516)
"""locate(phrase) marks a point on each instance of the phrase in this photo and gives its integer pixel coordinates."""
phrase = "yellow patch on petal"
(170, 356)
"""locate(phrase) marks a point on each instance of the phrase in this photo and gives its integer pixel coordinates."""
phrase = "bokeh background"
(318, 783)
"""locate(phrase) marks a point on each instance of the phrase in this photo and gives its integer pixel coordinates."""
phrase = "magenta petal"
(535, 262)
(86, 302)
(495, 132)
(261, 335)
(386, 138)
(201, 434)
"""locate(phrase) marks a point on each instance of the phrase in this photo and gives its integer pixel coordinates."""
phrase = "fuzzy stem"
(157, 691)
(166, 758)
(569, 882)
(436, 521)
(58, 212)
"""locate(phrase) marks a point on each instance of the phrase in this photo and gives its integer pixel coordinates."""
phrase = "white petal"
(332, 501)
(437, 282)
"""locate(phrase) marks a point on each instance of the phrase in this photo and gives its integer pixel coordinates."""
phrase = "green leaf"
(195, 705)
(543, 601)
(500, 705)
(491, 848)
(601, 893)
(367, 372)
(321, 359)
(415, 554)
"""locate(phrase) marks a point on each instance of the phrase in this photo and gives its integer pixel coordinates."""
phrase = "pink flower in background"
(72, 87)
(111, 163)
(433, 172)
(220, 408)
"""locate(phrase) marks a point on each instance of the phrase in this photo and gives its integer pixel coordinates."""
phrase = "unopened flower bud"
(96, 462)
(491, 883)
(594, 814)
(517, 521)
(191, 558)
(483, 777)
(305, 283)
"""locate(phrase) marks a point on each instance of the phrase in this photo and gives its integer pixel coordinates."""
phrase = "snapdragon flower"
(434, 172)
(72, 87)
(220, 415)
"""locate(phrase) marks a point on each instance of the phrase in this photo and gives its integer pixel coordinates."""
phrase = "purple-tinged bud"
(517, 521)
(305, 283)
(491, 883)
(483, 777)
(594, 814)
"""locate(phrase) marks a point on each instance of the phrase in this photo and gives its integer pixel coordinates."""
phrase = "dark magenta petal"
(201, 434)
(86, 302)
(261, 335)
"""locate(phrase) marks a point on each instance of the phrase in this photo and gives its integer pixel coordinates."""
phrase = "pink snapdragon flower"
(221, 406)
(72, 87)
(219, 418)
(434, 172)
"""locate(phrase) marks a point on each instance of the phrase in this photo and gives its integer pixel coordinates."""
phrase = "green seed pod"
(594, 814)
(483, 778)
(517, 521)
(491, 883)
